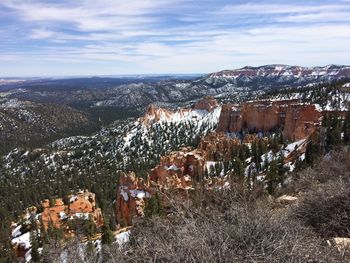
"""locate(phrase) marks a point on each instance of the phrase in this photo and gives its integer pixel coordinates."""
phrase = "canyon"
(187, 169)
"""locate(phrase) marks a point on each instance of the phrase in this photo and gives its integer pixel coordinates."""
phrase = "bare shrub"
(327, 209)
(334, 166)
(235, 231)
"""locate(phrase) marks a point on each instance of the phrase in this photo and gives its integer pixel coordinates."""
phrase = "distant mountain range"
(131, 92)
(279, 75)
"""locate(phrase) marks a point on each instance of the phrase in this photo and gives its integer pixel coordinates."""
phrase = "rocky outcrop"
(178, 169)
(218, 146)
(81, 205)
(300, 121)
(230, 119)
(208, 103)
(341, 243)
(287, 199)
(295, 119)
(56, 213)
(131, 195)
(156, 114)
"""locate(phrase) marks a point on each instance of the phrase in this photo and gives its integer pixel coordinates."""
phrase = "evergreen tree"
(107, 235)
(310, 153)
(346, 128)
(272, 177)
(153, 206)
(112, 223)
(34, 245)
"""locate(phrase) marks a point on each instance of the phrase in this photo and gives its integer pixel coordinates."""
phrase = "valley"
(214, 134)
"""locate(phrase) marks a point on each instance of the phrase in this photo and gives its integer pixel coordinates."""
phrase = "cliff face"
(300, 121)
(296, 120)
(130, 201)
(156, 114)
(230, 119)
(209, 103)
(178, 169)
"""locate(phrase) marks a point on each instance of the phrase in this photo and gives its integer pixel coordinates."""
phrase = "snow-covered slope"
(329, 97)
(126, 145)
(273, 75)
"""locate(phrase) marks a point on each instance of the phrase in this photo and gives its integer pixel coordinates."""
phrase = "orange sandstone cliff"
(296, 120)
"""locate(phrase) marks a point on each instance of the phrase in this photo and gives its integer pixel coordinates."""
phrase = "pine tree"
(153, 206)
(34, 245)
(346, 128)
(112, 223)
(107, 235)
(272, 177)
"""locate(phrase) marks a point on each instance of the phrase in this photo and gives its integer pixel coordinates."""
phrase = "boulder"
(341, 243)
(287, 199)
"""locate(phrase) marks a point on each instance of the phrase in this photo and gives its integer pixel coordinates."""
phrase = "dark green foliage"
(346, 128)
(311, 153)
(153, 206)
(272, 177)
(238, 168)
(84, 227)
(107, 235)
(34, 242)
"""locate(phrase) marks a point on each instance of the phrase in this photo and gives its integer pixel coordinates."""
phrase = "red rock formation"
(230, 119)
(300, 121)
(155, 113)
(208, 103)
(218, 146)
(297, 120)
(176, 171)
(80, 205)
(130, 202)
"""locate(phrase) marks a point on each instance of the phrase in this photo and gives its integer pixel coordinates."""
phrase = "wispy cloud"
(154, 36)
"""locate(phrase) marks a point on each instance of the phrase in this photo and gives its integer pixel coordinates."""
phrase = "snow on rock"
(292, 147)
(123, 237)
(22, 240)
(16, 231)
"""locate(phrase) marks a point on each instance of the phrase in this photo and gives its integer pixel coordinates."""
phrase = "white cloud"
(113, 34)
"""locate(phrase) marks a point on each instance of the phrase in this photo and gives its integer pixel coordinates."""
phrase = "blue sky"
(111, 37)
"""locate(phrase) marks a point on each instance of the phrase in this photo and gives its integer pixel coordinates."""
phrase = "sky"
(117, 37)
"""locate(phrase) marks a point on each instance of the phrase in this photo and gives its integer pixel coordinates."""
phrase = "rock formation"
(208, 103)
(130, 201)
(81, 205)
(156, 114)
(230, 119)
(179, 168)
(218, 146)
(295, 119)
(182, 171)
(176, 172)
